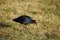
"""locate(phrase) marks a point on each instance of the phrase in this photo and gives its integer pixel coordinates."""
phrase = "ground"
(46, 12)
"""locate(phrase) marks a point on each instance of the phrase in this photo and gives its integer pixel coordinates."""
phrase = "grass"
(51, 36)
(46, 12)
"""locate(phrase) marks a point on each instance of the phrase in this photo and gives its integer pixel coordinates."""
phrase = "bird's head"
(34, 21)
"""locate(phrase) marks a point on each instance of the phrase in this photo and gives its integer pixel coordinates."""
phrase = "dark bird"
(24, 19)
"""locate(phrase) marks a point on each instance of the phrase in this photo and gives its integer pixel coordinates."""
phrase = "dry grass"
(46, 12)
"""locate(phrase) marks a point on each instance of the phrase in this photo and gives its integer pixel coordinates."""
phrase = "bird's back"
(27, 20)
(24, 19)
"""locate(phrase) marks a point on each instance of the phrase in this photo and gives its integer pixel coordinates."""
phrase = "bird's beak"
(36, 22)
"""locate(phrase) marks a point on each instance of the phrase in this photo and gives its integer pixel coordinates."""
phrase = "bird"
(24, 19)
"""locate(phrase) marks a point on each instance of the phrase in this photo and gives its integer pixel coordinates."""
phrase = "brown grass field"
(46, 12)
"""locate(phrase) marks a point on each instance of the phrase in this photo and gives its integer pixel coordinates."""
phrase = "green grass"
(46, 12)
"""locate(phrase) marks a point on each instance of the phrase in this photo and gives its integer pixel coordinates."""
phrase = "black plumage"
(24, 19)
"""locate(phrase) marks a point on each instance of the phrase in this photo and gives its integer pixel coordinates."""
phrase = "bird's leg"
(25, 27)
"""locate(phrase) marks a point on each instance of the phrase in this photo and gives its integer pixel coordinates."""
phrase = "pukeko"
(24, 19)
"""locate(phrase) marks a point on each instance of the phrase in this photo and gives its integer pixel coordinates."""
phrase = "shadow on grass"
(51, 36)
(5, 25)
